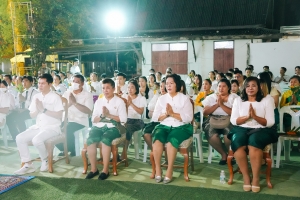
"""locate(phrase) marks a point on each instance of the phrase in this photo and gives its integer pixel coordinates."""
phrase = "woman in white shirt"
(135, 104)
(57, 86)
(174, 111)
(253, 118)
(5, 102)
(94, 86)
(218, 107)
(147, 131)
(158, 77)
(214, 82)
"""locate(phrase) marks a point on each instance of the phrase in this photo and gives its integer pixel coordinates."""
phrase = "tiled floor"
(285, 180)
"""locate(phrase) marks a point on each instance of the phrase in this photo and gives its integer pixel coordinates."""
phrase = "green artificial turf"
(69, 188)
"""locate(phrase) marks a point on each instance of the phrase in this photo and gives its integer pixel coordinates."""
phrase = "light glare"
(115, 20)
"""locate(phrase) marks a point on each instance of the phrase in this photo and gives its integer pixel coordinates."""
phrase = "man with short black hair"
(16, 119)
(266, 68)
(80, 104)
(108, 117)
(297, 70)
(238, 75)
(47, 108)
(282, 76)
(121, 86)
(248, 72)
(44, 69)
(75, 68)
(253, 73)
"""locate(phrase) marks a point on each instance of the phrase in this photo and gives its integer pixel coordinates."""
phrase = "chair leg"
(153, 165)
(278, 152)
(65, 152)
(230, 167)
(185, 152)
(145, 152)
(268, 172)
(50, 157)
(84, 159)
(210, 152)
(114, 150)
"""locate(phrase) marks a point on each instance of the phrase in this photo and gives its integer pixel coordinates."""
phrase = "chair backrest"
(295, 116)
(65, 115)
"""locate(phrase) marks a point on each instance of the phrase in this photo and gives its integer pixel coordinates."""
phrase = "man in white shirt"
(121, 86)
(44, 69)
(253, 73)
(282, 76)
(75, 68)
(297, 70)
(238, 75)
(109, 117)
(16, 119)
(47, 108)
(80, 107)
(11, 88)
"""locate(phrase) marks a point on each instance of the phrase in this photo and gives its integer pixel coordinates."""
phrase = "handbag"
(219, 121)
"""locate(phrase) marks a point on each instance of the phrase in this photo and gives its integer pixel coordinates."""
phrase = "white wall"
(204, 53)
(276, 55)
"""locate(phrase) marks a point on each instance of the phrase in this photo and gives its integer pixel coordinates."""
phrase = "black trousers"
(71, 128)
(15, 121)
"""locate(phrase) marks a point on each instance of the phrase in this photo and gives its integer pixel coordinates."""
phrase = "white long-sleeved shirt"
(264, 109)
(180, 104)
(212, 100)
(115, 106)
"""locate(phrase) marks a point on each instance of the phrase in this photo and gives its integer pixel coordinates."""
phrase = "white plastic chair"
(84, 131)
(285, 138)
(137, 141)
(197, 137)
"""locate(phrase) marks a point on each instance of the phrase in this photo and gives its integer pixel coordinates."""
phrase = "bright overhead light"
(115, 20)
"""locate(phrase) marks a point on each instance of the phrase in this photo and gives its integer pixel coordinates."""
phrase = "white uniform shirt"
(74, 115)
(180, 104)
(286, 77)
(75, 69)
(28, 95)
(97, 86)
(153, 101)
(212, 100)
(51, 102)
(139, 102)
(264, 109)
(115, 106)
(13, 90)
(60, 89)
(214, 86)
(5, 102)
(123, 88)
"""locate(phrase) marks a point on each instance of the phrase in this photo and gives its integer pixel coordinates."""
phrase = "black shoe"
(103, 176)
(118, 159)
(91, 175)
(224, 162)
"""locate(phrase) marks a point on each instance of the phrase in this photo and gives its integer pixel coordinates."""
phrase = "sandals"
(247, 188)
(255, 188)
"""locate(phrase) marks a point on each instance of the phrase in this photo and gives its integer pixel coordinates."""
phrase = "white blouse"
(139, 102)
(264, 109)
(212, 100)
(153, 101)
(180, 104)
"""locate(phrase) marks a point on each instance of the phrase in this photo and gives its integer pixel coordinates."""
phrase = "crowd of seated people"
(236, 109)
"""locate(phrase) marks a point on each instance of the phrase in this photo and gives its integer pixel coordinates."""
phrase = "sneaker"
(103, 176)
(44, 166)
(26, 169)
(91, 175)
